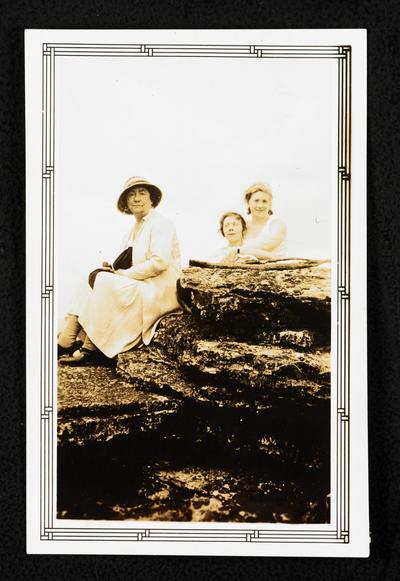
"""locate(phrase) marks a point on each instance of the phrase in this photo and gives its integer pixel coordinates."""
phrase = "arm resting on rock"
(264, 244)
(256, 252)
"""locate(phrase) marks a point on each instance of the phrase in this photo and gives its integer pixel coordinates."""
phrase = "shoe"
(83, 357)
(68, 350)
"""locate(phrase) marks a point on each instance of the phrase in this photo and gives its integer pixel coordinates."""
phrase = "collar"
(148, 216)
(138, 226)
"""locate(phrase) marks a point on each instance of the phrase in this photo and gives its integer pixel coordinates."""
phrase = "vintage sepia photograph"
(192, 344)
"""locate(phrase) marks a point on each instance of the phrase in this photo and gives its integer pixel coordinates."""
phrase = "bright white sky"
(201, 129)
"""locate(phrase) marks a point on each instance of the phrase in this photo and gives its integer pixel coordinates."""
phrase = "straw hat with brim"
(155, 193)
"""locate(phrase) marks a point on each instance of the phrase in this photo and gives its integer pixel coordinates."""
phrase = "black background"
(382, 20)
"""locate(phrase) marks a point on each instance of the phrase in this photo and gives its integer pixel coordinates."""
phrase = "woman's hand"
(247, 258)
(231, 255)
(107, 266)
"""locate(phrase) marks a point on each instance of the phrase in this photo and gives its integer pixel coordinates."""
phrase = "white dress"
(261, 240)
(122, 310)
(219, 255)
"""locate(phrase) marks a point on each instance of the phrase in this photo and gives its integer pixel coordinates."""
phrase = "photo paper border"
(51, 531)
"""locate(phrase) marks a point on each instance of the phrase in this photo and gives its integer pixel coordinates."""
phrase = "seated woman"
(265, 235)
(125, 304)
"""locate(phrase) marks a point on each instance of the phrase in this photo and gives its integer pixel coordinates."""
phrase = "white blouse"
(262, 239)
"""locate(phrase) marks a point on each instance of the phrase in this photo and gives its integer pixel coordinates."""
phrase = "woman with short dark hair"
(232, 226)
(228, 219)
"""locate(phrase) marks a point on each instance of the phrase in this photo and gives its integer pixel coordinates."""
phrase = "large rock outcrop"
(241, 377)
(256, 302)
(255, 340)
(249, 331)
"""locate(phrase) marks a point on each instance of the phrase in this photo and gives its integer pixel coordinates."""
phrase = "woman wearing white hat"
(126, 303)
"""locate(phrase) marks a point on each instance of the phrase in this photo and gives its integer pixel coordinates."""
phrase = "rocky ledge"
(259, 303)
(241, 376)
(251, 333)
(278, 365)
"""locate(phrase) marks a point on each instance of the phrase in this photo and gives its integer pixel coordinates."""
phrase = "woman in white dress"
(265, 235)
(125, 305)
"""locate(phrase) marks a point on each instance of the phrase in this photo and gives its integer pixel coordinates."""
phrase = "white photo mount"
(347, 534)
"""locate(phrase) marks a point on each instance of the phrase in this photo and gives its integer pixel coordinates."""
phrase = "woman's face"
(260, 204)
(232, 228)
(138, 201)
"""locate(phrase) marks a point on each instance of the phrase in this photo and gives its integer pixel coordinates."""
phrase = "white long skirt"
(113, 314)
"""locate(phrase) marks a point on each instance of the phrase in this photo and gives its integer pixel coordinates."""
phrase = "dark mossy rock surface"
(118, 482)
(95, 405)
(224, 417)
(209, 348)
(255, 302)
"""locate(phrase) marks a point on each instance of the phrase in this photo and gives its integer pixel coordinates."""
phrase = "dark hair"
(233, 215)
(155, 196)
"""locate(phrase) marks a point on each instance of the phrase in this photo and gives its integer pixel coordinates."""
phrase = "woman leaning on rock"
(265, 235)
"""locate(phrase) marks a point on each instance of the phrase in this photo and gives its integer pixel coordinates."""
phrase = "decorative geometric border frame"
(48, 411)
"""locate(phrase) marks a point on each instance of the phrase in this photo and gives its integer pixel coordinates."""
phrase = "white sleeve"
(125, 241)
(268, 239)
(162, 239)
(218, 256)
